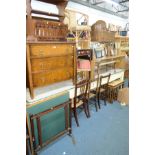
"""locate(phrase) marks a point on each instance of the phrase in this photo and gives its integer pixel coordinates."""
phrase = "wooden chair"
(81, 98)
(94, 92)
(103, 89)
(114, 87)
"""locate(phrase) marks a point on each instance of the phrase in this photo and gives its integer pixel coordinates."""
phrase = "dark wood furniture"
(103, 89)
(82, 81)
(45, 28)
(94, 92)
(49, 62)
(81, 98)
(39, 119)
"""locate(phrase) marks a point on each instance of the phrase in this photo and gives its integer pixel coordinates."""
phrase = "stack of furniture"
(50, 60)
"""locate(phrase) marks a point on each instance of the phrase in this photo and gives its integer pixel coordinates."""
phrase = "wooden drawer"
(49, 77)
(50, 50)
(51, 63)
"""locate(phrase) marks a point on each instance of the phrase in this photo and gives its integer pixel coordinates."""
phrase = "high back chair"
(103, 89)
(81, 98)
(94, 91)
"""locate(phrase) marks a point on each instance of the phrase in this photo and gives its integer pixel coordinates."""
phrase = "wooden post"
(30, 135)
(61, 8)
(29, 71)
(30, 23)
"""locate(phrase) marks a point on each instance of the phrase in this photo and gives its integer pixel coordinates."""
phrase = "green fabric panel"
(52, 123)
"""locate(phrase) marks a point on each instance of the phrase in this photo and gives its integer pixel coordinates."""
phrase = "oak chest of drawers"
(49, 62)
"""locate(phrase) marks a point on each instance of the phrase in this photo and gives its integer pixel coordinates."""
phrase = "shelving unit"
(47, 63)
(79, 28)
(82, 36)
(122, 44)
(85, 54)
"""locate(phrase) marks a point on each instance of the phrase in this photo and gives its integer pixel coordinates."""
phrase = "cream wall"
(95, 15)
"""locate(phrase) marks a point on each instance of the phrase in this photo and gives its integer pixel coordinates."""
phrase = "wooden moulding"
(29, 71)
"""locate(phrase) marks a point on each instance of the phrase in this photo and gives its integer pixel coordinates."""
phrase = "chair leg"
(98, 99)
(75, 116)
(27, 149)
(96, 103)
(85, 109)
(111, 96)
(88, 108)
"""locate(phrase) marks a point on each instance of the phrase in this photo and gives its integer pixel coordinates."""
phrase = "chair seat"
(115, 83)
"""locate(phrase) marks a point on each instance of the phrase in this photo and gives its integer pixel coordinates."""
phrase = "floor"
(106, 132)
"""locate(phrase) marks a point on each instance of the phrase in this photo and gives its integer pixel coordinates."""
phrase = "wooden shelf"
(109, 57)
(106, 63)
(121, 37)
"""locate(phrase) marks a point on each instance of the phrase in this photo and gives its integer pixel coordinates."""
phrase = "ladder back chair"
(81, 98)
(103, 88)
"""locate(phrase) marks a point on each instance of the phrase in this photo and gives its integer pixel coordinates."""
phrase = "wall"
(95, 15)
